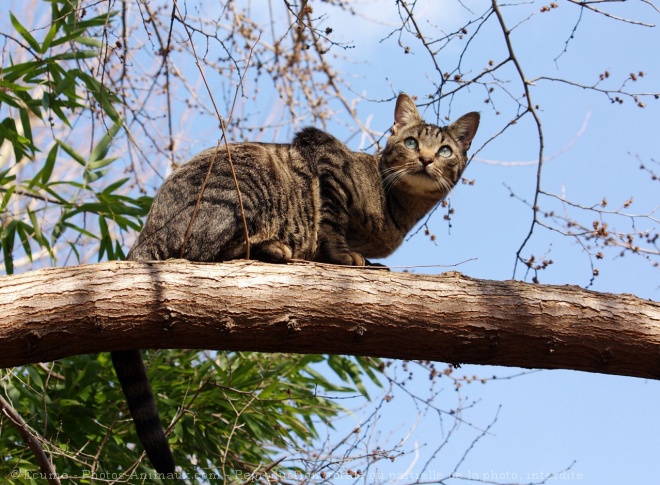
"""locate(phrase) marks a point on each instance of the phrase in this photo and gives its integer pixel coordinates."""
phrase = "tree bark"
(308, 308)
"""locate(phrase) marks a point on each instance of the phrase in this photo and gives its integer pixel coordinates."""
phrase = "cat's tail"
(132, 376)
(310, 142)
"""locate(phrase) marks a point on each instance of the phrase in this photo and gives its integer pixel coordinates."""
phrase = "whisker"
(393, 176)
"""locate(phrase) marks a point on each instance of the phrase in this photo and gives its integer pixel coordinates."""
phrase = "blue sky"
(608, 426)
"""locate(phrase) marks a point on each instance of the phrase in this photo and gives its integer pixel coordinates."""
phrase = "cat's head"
(422, 158)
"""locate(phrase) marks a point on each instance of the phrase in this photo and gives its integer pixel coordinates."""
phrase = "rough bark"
(307, 308)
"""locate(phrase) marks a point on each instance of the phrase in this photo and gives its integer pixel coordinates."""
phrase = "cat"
(313, 199)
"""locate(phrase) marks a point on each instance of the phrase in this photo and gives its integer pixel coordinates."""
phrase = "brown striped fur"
(313, 199)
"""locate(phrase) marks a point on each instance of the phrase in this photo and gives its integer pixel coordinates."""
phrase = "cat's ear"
(464, 129)
(405, 112)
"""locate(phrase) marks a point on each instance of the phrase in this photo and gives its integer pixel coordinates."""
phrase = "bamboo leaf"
(7, 196)
(55, 107)
(91, 177)
(101, 149)
(75, 55)
(50, 164)
(17, 71)
(24, 33)
(114, 186)
(49, 37)
(37, 235)
(23, 229)
(27, 129)
(8, 237)
(89, 41)
(104, 97)
(94, 165)
(72, 153)
(106, 240)
(80, 230)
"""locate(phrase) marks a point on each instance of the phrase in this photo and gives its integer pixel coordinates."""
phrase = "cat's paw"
(358, 259)
(380, 266)
(272, 252)
(348, 258)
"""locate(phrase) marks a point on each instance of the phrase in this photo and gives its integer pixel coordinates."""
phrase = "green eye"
(445, 152)
(410, 143)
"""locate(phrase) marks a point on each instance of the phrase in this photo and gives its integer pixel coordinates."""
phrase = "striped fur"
(313, 199)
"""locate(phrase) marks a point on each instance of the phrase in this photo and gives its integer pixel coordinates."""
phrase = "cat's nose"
(426, 160)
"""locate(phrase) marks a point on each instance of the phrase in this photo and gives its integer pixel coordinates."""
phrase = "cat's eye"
(410, 143)
(445, 152)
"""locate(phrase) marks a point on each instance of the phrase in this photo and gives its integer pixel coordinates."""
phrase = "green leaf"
(114, 186)
(8, 237)
(34, 105)
(47, 171)
(67, 83)
(101, 149)
(45, 100)
(71, 36)
(119, 252)
(23, 229)
(80, 230)
(24, 33)
(35, 377)
(74, 248)
(7, 99)
(19, 143)
(49, 37)
(5, 178)
(61, 200)
(75, 55)
(6, 197)
(96, 164)
(91, 177)
(74, 154)
(104, 97)
(89, 41)
(17, 71)
(37, 234)
(93, 207)
(27, 129)
(55, 107)
(106, 240)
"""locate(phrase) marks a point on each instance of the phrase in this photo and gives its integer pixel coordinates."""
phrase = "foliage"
(230, 414)
(42, 207)
(98, 103)
(64, 194)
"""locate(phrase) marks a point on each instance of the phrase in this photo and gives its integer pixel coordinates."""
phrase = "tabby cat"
(313, 199)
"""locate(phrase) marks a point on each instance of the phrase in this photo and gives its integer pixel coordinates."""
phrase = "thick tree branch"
(244, 305)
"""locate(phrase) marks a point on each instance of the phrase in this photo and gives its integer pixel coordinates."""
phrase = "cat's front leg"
(332, 248)
(272, 252)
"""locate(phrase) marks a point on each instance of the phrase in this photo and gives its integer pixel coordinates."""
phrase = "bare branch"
(44, 463)
(590, 6)
(531, 109)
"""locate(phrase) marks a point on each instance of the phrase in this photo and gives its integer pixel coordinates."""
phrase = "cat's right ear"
(405, 112)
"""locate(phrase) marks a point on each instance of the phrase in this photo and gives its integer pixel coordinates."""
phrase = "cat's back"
(248, 158)
(279, 194)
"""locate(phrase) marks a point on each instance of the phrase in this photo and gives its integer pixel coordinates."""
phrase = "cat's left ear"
(464, 129)
(405, 112)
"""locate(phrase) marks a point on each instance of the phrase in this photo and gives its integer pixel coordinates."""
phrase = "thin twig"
(224, 137)
(588, 5)
(199, 201)
(325, 68)
(46, 466)
(531, 109)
